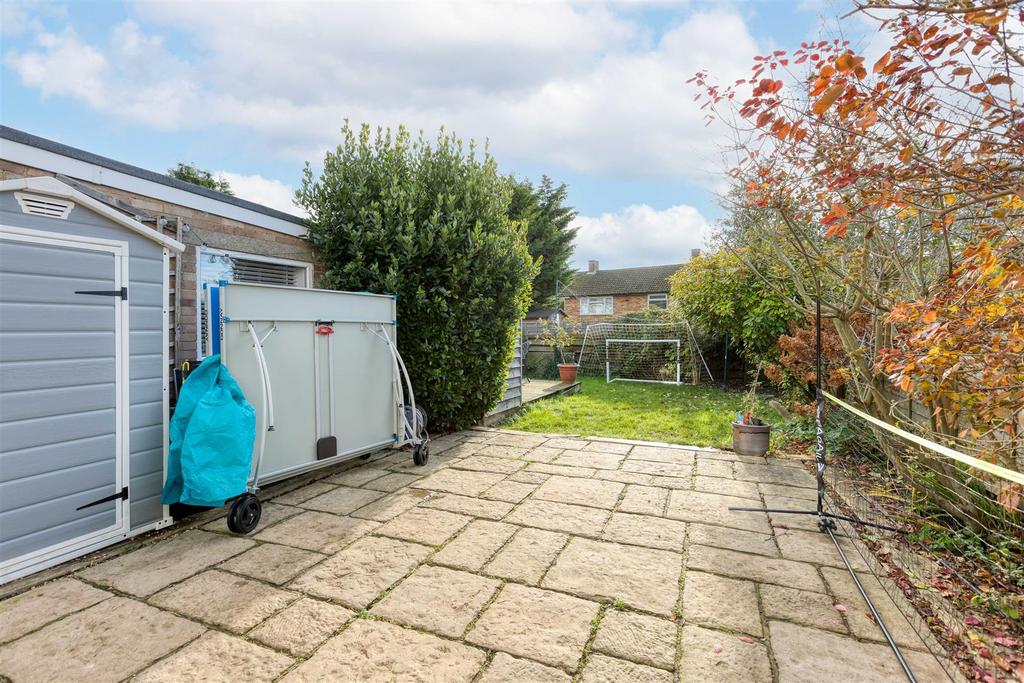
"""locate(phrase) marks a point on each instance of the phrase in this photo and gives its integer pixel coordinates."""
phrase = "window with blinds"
(217, 266)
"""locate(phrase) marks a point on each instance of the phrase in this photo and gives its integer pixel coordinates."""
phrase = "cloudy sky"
(588, 93)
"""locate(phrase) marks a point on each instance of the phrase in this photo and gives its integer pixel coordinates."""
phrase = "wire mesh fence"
(947, 529)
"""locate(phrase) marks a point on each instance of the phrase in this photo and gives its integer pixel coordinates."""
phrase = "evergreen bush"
(428, 221)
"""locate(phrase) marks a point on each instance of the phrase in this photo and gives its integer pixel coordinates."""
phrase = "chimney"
(591, 266)
(694, 253)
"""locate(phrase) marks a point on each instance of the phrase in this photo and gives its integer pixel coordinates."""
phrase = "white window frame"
(201, 251)
(587, 305)
(662, 296)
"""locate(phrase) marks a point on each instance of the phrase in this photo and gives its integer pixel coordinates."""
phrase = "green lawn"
(690, 415)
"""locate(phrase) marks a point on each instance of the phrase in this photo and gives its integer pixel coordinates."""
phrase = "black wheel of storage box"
(245, 514)
(421, 453)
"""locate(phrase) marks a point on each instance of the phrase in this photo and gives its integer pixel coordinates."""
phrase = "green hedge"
(428, 222)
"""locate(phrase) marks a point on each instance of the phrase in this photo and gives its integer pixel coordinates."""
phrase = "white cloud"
(256, 188)
(640, 236)
(578, 86)
(134, 77)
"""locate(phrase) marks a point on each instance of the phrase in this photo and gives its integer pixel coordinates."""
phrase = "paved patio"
(509, 557)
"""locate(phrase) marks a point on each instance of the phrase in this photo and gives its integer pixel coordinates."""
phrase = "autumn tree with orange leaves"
(899, 181)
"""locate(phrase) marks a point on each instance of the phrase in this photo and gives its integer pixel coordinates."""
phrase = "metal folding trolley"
(332, 385)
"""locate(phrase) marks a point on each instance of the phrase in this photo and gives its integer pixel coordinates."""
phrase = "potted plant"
(562, 338)
(750, 435)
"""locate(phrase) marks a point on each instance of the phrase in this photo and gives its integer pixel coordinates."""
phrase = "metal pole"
(874, 613)
(819, 409)
(725, 370)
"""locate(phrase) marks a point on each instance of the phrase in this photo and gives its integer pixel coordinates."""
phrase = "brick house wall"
(195, 229)
(621, 304)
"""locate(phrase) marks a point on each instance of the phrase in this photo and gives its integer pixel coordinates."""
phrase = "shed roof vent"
(39, 205)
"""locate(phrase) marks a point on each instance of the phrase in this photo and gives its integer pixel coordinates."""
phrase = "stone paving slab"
(510, 557)
(644, 500)
(39, 606)
(801, 607)
(317, 531)
(807, 655)
(816, 547)
(357, 476)
(543, 454)
(486, 463)
(527, 556)
(509, 491)
(423, 525)
(389, 507)
(650, 532)
(720, 602)
(217, 657)
(859, 617)
(378, 651)
(638, 638)
(733, 539)
(602, 669)
(147, 570)
(641, 577)
(356, 575)
(467, 505)
(505, 668)
(302, 494)
(722, 657)
(438, 599)
(591, 492)
(232, 602)
(342, 500)
(601, 461)
(559, 517)
(763, 569)
(273, 563)
(302, 626)
(548, 627)
(564, 470)
(712, 508)
(472, 548)
(464, 482)
(660, 454)
(608, 447)
(106, 642)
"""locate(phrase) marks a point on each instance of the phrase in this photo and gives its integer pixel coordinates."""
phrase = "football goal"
(664, 353)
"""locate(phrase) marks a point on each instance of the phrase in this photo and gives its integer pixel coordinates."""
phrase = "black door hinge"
(123, 292)
(123, 495)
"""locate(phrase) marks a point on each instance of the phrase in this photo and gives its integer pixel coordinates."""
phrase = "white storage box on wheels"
(83, 375)
(323, 372)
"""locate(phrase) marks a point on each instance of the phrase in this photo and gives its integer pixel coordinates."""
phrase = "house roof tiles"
(639, 280)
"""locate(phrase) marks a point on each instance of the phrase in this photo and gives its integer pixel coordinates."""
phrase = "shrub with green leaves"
(427, 221)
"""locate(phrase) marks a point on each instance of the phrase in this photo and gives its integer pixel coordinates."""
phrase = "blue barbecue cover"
(212, 434)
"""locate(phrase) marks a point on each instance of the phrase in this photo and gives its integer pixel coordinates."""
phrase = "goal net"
(643, 352)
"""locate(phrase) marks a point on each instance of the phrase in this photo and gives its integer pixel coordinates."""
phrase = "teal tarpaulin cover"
(212, 433)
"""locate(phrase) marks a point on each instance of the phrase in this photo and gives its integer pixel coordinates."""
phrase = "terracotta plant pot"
(750, 439)
(567, 372)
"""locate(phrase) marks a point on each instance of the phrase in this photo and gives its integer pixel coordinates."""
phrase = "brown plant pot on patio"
(750, 439)
(567, 372)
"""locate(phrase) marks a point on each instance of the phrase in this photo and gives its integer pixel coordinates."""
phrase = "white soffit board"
(91, 173)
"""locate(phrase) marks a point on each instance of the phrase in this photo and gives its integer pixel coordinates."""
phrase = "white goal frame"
(608, 363)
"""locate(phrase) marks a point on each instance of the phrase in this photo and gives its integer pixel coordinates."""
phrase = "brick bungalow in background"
(227, 238)
(599, 295)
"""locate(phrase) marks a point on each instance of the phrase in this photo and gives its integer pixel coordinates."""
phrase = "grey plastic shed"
(83, 374)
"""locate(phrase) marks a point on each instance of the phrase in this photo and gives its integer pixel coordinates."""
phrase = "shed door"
(62, 398)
